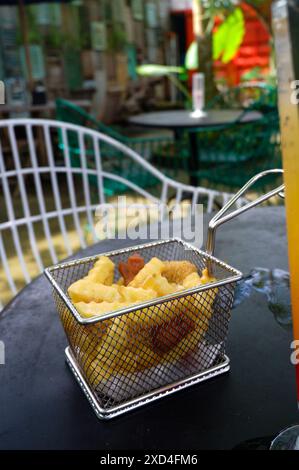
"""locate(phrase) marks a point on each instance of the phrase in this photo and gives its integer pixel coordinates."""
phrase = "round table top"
(42, 406)
(183, 118)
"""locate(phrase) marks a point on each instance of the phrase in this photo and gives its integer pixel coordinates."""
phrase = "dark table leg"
(193, 162)
(177, 134)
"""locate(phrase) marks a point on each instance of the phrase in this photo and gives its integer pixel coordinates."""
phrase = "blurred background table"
(182, 120)
(42, 406)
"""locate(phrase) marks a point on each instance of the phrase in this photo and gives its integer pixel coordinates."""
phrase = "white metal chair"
(30, 157)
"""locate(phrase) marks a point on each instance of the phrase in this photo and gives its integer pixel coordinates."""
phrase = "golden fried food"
(133, 344)
(96, 286)
(84, 339)
(177, 271)
(85, 290)
(91, 309)
(167, 335)
(132, 267)
(102, 271)
(147, 318)
(200, 309)
(127, 363)
(160, 285)
(159, 334)
(136, 294)
(206, 278)
(192, 280)
(154, 266)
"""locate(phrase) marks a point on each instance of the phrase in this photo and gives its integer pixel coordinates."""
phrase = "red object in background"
(254, 50)
(189, 28)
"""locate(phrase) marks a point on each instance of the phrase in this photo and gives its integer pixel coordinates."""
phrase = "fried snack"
(96, 286)
(149, 277)
(93, 299)
(177, 271)
(198, 315)
(160, 285)
(167, 335)
(92, 309)
(86, 290)
(132, 267)
(128, 363)
(136, 294)
(194, 279)
(110, 352)
(84, 339)
(201, 308)
(206, 278)
(120, 352)
(102, 271)
(160, 334)
(133, 344)
(154, 266)
(186, 345)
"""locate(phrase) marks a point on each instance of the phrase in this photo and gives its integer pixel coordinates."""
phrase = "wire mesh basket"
(126, 358)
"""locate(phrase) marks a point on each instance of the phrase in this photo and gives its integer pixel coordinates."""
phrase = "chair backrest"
(67, 111)
(46, 201)
(151, 147)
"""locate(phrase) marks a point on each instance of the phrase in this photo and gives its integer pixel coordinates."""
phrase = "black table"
(42, 407)
(179, 120)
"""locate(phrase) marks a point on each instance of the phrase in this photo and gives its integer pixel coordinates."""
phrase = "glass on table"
(288, 439)
(198, 95)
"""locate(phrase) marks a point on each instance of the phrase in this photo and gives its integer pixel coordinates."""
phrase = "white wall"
(181, 4)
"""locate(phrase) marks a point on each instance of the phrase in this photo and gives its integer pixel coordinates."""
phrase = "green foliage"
(117, 39)
(226, 40)
(191, 59)
(229, 36)
(213, 8)
(34, 34)
(157, 70)
(53, 38)
(253, 74)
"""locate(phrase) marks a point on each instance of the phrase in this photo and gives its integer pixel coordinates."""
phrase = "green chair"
(155, 149)
(252, 95)
(232, 154)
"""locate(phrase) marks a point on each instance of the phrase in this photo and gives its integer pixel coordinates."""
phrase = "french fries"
(146, 337)
(153, 267)
(102, 272)
(86, 290)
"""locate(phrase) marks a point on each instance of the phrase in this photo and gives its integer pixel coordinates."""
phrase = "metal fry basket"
(130, 357)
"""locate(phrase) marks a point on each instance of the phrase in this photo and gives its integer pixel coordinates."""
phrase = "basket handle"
(220, 218)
